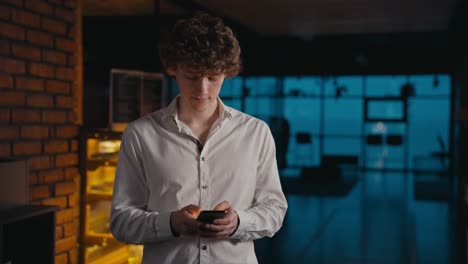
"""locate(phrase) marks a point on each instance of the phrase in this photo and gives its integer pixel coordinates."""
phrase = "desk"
(27, 234)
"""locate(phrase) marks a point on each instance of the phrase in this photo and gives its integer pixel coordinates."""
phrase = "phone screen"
(207, 216)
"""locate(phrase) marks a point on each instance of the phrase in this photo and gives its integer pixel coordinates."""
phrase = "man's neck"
(195, 119)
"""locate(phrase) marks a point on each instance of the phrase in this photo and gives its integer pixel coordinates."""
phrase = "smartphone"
(207, 216)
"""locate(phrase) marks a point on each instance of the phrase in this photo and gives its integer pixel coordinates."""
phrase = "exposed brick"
(70, 3)
(60, 202)
(76, 211)
(74, 145)
(5, 13)
(12, 98)
(72, 117)
(34, 132)
(39, 162)
(64, 160)
(70, 229)
(39, 7)
(72, 60)
(41, 69)
(65, 73)
(58, 87)
(73, 256)
(71, 173)
(12, 31)
(54, 26)
(4, 48)
(26, 116)
(57, 2)
(31, 84)
(58, 233)
(56, 146)
(55, 57)
(61, 259)
(33, 178)
(26, 52)
(39, 100)
(65, 102)
(40, 38)
(50, 176)
(5, 150)
(72, 32)
(9, 132)
(26, 148)
(40, 192)
(65, 44)
(65, 244)
(52, 116)
(72, 200)
(65, 14)
(14, 2)
(5, 115)
(64, 216)
(12, 66)
(6, 81)
(25, 18)
(66, 131)
(65, 188)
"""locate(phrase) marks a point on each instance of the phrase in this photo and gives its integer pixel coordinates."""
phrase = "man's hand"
(183, 221)
(223, 227)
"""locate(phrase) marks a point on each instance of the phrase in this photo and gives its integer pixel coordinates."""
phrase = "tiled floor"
(374, 219)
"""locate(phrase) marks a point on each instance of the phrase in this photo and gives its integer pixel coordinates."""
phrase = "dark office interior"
(367, 102)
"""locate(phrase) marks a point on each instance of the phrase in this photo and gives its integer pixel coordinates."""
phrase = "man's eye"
(213, 78)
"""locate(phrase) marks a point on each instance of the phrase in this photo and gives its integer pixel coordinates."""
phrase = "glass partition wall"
(386, 122)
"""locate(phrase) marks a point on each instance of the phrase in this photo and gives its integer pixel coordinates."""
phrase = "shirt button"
(203, 158)
(205, 186)
(204, 247)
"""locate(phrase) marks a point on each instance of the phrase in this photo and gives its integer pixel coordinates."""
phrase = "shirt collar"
(225, 112)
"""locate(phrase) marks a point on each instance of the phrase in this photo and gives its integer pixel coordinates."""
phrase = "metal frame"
(367, 100)
(119, 126)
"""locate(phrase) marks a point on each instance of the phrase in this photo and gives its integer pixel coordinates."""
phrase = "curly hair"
(202, 42)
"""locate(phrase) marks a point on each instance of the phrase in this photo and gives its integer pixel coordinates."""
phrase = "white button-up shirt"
(160, 170)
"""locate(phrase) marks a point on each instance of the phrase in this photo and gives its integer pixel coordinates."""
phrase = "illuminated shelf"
(92, 234)
(93, 164)
(98, 170)
(117, 254)
(98, 195)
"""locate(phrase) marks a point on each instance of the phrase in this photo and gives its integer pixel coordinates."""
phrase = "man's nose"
(202, 85)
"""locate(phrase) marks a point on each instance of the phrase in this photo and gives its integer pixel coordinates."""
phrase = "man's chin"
(199, 108)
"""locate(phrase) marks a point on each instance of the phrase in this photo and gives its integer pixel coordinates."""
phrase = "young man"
(197, 154)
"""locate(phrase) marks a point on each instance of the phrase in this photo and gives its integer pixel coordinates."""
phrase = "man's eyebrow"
(193, 73)
(192, 70)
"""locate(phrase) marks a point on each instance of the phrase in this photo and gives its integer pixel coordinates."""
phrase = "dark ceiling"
(303, 18)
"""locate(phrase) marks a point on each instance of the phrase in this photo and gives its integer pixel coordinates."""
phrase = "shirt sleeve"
(130, 222)
(266, 215)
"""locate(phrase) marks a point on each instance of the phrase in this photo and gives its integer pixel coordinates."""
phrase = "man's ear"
(171, 72)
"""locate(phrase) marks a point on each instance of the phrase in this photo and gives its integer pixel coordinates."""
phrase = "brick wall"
(37, 106)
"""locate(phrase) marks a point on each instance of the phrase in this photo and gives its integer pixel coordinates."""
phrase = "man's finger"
(193, 210)
(224, 205)
(215, 228)
(231, 216)
(192, 223)
(222, 221)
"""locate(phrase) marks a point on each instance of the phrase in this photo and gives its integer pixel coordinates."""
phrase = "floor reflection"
(371, 218)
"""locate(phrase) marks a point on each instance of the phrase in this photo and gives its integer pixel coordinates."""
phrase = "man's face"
(197, 91)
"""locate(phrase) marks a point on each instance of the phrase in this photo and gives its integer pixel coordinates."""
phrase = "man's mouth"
(200, 98)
